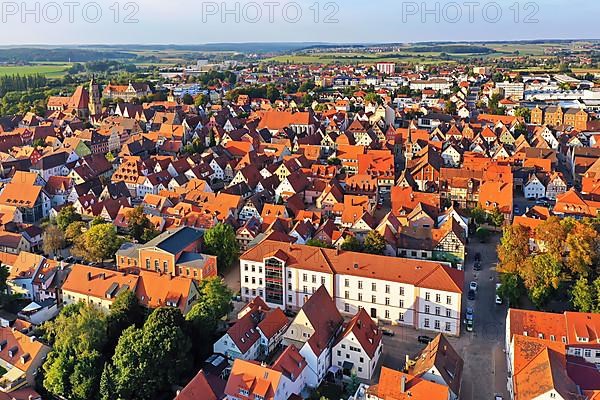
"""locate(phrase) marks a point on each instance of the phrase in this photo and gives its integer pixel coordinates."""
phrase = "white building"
(423, 294)
(359, 347)
(534, 188)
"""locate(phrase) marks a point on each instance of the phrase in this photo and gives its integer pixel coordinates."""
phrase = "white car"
(498, 298)
(473, 286)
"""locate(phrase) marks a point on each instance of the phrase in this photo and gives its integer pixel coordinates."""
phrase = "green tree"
(53, 240)
(450, 107)
(97, 221)
(107, 384)
(351, 243)
(187, 99)
(139, 226)
(125, 311)
(74, 230)
(482, 234)
(98, 243)
(496, 217)
(318, 243)
(200, 100)
(66, 216)
(583, 296)
(372, 98)
(479, 215)
(161, 346)
(374, 243)
(220, 241)
(511, 288)
(523, 112)
(73, 367)
(541, 275)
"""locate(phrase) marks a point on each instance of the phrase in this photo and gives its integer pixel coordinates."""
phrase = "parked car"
(498, 298)
(470, 325)
(473, 286)
(477, 266)
(471, 295)
(425, 339)
(387, 332)
(470, 313)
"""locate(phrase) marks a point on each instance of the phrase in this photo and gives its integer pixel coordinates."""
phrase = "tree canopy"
(220, 241)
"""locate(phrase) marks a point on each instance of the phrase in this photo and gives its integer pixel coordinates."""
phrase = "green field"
(50, 70)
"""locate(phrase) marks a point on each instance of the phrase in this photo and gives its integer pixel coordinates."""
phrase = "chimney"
(89, 276)
(355, 265)
(403, 384)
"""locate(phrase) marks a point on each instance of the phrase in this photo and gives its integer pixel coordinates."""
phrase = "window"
(253, 268)
(401, 291)
(437, 311)
(387, 289)
(360, 297)
(362, 360)
(253, 280)
(427, 296)
(347, 307)
(400, 316)
(339, 353)
(360, 284)
(448, 313)
(346, 294)
(437, 325)
(347, 283)
(289, 274)
(577, 352)
(587, 353)
(438, 298)
(289, 286)
(289, 298)
(449, 300)
(156, 265)
(426, 322)
(314, 279)
(322, 280)
(448, 327)
(387, 301)
(373, 287)
(147, 263)
(304, 278)
(597, 354)
(359, 369)
(260, 281)
(387, 314)
(427, 309)
(373, 299)
(260, 269)
(245, 267)
(401, 303)
(304, 289)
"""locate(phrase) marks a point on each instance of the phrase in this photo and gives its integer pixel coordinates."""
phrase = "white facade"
(534, 189)
(390, 301)
(349, 349)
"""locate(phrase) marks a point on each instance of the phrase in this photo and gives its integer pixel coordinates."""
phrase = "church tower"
(95, 103)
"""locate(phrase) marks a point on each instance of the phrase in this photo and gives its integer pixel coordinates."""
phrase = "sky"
(340, 21)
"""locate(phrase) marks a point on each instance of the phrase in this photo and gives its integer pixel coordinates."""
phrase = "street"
(484, 372)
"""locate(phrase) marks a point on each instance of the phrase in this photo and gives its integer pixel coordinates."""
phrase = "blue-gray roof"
(174, 242)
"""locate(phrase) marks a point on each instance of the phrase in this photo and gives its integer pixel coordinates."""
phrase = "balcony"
(12, 380)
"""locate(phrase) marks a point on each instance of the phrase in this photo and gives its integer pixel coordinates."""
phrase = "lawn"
(49, 70)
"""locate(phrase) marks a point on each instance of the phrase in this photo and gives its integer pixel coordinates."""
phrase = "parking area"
(484, 371)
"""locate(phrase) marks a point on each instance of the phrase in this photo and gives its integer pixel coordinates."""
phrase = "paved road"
(484, 372)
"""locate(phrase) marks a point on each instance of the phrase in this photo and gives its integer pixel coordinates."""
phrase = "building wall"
(349, 349)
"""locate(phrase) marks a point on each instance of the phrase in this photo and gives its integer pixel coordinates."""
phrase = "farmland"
(50, 70)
